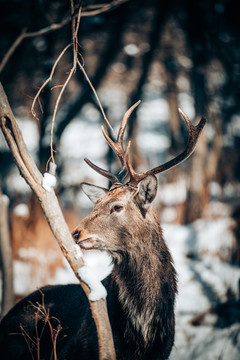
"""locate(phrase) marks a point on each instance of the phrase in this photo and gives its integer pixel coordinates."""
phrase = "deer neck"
(139, 277)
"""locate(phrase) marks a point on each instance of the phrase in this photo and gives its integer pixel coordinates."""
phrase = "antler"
(194, 132)
(118, 149)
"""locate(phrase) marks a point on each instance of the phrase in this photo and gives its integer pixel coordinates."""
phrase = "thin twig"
(75, 28)
(25, 35)
(97, 9)
(96, 95)
(27, 338)
(44, 314)
(56, 109)
(88, 11)
(48, 80)
(73, 69)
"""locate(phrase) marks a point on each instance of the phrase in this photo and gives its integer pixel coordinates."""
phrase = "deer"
(141, 288)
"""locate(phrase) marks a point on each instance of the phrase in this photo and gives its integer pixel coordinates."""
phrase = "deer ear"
(147, 190)
(93, 192)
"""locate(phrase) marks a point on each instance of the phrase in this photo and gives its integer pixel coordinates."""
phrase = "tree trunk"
(197, 196)
(5, 257)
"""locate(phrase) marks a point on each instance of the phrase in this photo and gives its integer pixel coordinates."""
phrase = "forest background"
(178, 53)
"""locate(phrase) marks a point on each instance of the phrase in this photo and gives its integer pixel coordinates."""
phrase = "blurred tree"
(200, 50)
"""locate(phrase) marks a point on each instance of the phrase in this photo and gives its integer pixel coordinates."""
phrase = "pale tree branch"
(54, 216)
(5, 257)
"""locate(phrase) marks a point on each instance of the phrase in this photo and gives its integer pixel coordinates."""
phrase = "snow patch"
(131, 49)
(48, 181)
(5, 199)
(153, 112)
(30, 133)
(173, 193)
(82, 139)
(98, 265)
(214, 237)
(99, 261)
(21, 210)
(78, 252)
(148, 142)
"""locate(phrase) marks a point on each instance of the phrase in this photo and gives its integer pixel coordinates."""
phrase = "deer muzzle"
(88, 243)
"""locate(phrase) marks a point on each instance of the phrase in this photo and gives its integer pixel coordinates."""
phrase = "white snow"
(173, 193)
(186, 103)
(131, 49)
(152, 143)
(99, 261)
(97, 290)
(30, 134)
(200, 280)
(5, 199)
(78, 253)
(21, 210)
(81, 139)
(153, 112)
(234, 125)
(214, 237)
(209, 344)
(48, 181)
(16, 183)
(98, 265)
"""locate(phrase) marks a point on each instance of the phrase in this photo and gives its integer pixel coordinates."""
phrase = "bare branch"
(75, 28)
(48, 80)
(56, 109)
(25, 35)
(90, 10)
(96, 96)
(97, 9)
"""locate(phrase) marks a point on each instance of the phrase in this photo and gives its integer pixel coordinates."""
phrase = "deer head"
(123, 213)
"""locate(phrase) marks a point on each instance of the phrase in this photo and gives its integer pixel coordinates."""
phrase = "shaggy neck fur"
(146, 282)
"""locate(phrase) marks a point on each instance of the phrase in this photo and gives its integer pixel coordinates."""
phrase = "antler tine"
(103, 172)
(194, 132)
(125, 120)
(118, 149)
(134, 177)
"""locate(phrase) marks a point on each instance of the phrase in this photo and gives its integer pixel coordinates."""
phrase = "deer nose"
(76, 235)
(83, 240)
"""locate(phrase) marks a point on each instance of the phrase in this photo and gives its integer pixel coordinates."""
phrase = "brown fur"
(143, 270)
(141, 289)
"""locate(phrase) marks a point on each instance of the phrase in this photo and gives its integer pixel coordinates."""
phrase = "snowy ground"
(203, 281)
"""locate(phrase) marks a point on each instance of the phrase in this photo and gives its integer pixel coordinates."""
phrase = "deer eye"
(116, 208)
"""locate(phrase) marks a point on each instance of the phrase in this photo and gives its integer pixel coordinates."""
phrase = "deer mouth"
(88, 243)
